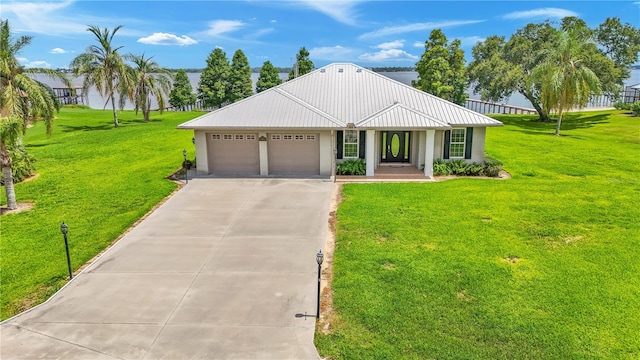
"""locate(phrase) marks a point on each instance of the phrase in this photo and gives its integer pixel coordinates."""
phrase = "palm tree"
(149, 80)
(103, 67)
(22, 99)
(566, 82)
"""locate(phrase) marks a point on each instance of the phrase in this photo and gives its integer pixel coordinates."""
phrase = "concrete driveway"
(217, 272)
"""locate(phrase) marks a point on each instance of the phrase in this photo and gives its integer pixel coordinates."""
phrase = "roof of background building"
(339, 94)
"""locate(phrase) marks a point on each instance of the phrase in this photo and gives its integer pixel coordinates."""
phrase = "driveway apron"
(219, 271)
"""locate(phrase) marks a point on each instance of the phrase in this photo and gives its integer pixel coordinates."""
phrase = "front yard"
(544, 265)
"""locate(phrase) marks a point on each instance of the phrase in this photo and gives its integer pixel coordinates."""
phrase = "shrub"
(635, 108)
(440, 168)
(621, 105)
(490, 167)
(352, 167)
(22, 164)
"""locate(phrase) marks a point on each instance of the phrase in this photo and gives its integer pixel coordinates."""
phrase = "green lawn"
(97, 179)
(545, 265)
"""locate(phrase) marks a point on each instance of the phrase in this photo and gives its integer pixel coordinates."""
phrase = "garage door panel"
(294, 154)
(233, 154)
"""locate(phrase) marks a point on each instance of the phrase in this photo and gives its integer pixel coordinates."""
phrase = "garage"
(233, 154)
(293, 154)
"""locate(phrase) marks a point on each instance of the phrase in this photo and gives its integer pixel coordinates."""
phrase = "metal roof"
(339, 94)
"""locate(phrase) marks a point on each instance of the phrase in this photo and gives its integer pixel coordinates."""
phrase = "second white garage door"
(233, 154)
(293, 154)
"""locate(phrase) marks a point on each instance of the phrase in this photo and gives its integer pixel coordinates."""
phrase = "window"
(287, 137)
(250, 136)
(311, 137)
(350, 149)
(299, 137)
(239, 137)
(215, 136)
(456, 145)
(227, 137)
(275, 137)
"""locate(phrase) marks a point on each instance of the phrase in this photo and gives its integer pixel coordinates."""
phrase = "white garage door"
(294, 154)
(233, 154)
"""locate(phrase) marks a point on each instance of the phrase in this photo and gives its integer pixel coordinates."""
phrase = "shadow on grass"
(570, 121)
(71, 128)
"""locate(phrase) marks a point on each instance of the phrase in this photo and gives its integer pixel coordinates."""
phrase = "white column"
(428, 153)
(264, 154)
(202, 161)
(370, 152)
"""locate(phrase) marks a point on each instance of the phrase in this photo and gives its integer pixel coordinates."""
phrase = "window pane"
(351, 150)
(456, 150)
(351, 137)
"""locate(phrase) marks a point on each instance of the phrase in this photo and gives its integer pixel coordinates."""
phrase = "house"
(340, 111)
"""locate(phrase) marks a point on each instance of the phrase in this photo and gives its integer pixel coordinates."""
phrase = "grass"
(541, 266)
(97, 179)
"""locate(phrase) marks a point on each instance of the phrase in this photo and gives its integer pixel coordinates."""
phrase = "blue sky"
(181, 34)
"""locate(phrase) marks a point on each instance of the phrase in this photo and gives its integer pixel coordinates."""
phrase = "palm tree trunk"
(558, 124)
(115, 114)
(7, 177)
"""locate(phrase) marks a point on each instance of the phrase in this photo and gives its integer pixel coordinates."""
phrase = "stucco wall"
(477, 146)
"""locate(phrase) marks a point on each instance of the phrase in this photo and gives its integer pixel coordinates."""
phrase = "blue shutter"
(468, 141)
(361, 145)
(339, 143)
(447, 141)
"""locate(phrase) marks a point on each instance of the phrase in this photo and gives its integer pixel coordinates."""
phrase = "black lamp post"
(319, 260)
(184, 165)
(64, 229)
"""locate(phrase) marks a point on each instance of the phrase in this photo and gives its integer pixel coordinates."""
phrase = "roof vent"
(359, 70)
(341, 70)
(322, 70)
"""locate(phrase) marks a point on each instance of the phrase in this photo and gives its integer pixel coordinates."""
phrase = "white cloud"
(33, 64)
(393, 30)
(540, 13)
(386, 55)
(335, 53)
(219, 27)
(273, 21)
(470, 40)
(340, 10)
(259, 33)
(167, 39)
(391, 45)
(58, 51)
(418, 44)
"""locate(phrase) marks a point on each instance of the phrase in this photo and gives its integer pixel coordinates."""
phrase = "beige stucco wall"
(477, 146)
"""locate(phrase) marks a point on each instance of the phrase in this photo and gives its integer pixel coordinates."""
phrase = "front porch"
(390, 173)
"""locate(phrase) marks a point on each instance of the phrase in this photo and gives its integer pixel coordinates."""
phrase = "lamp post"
(319, 259)
(184, 165)
(64, 229)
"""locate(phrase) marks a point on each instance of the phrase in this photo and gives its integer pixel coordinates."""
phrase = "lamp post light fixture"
(184, 165)
(319, 260)
(64, 229)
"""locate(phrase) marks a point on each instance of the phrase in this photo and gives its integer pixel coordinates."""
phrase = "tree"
(441, 69)
(240, 84)
(269, 77)
(103, 67)
(21, 100)
(499, 68)
(149, 80)
(565, 79)
(212, 89)
(181, 94)
(303, 65)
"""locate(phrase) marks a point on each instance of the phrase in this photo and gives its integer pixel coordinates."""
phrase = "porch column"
(370, 153)
(264, 158)
(428, 153)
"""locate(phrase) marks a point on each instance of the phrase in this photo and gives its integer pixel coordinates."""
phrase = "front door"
(395, 146)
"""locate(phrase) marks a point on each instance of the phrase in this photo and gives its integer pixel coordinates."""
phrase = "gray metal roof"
(339, 94)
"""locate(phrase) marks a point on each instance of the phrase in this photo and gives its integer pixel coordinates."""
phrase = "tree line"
(556, 67)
